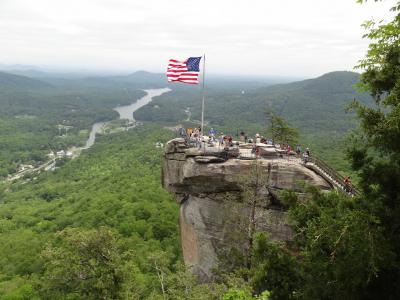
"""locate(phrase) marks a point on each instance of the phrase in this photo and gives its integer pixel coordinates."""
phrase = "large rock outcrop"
(202, 181)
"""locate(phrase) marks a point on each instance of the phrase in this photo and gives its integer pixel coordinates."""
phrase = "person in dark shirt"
(298, 150)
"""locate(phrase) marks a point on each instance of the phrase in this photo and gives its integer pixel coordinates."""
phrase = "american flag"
(184, 71)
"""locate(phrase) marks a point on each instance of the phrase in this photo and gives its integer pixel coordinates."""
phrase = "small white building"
(60, 154)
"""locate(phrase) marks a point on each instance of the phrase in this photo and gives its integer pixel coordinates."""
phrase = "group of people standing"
(257, 139)
(195, 135)
(226, 141)
(305, 156)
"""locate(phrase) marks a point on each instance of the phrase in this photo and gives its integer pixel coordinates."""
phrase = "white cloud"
(285, 37)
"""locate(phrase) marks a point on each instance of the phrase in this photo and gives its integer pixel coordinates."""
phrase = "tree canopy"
(375, 151)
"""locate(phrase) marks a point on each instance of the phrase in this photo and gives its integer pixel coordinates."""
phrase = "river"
(125, 112)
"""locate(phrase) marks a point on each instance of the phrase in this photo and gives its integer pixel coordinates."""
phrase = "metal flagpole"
(202, 104)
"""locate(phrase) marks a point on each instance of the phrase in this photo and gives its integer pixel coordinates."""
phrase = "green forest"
(102, 227)
(31, 111)
(106, 202)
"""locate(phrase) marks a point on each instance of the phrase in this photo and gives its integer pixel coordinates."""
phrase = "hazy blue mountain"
(40, 72)
(138, 79)
(141, 79)
(143, 76)
(330, 83)
(18, 83)
(33, 73)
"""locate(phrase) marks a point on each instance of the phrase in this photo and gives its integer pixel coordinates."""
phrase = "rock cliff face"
(202, 182)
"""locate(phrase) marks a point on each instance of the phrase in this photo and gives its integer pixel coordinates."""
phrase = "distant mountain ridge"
(332, 82)
(312, 104)
(309, 104)
(17, 82)
(143, 78)
(140, 78)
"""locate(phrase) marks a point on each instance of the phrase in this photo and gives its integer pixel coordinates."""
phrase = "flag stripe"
(183, 74)
(175, 61)
(177, 71)
(178, 68)
(176, 65)
(184, 81)
(183, 78)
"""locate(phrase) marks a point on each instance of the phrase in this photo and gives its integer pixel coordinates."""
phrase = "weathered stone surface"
(176, 145)
(200, 185)
(193, 152)
(208, 159)
(268, 152)
(190, 176)
(201, 224)
(217, 152)
(176, 156)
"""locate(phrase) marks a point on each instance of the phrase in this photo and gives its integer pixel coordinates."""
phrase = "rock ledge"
(201, 180)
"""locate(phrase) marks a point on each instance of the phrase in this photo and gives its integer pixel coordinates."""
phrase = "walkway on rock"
(335, 178)
(313, 162)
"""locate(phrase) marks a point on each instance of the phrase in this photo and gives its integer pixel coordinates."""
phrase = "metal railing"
(334, 176)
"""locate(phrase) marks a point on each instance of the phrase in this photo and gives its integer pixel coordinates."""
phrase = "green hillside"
(97, 223)
(310, 104)
(31, 110)
(11, 81)
(315, 104)
(106, 212)
(112, 191)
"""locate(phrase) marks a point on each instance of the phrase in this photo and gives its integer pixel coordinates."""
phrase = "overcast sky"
(302, 38)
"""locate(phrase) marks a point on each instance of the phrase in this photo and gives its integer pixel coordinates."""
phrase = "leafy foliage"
(274, 269)
(114, 186)
(84, 264)
(101, 227)
(375, 150)
(342, 246)
(280, 131)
